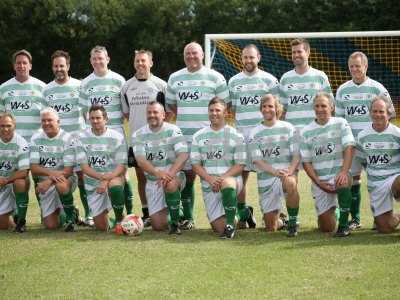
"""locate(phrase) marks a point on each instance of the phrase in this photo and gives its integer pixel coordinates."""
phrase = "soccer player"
(218, 156)
(62, 94)
(274, 150)
(327, 150)
(379, 143)
(102, 155)
(103, 87)
(52, 160)
(14, 166)
(353, 99)
(22, 96)
(161, 151)
(246, 90)
(136, 93)
(299, 86)
(189, 91)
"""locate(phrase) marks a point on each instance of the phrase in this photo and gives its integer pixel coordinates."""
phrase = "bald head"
(193, 56)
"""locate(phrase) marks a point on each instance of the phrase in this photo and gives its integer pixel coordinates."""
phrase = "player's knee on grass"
(51, 221)
(21, 185)
(271, 221)
(6, 221)
(218, 225)
(327, 220)
(101, 221)
(159, 220)
(386, 222)
(228, 182)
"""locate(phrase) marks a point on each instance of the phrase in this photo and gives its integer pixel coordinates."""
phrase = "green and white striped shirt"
(103, 153)
(323, 146)
(297, 92)
(276, 146)
(64, 98)
(217, 151)
(191, 92)
(25, 101)
(14, 155)
(246, 92)
(104, 91)
(381, 151)
(159, 148)
(52, 153)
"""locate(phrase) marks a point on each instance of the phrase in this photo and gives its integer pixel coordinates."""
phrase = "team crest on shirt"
(5, 165)
(10, 93)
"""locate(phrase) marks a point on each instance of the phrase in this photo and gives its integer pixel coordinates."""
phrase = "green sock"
(293, 212)
(172, 200)
(117, 201)
(355, 202)
(344, 198)
(62, 218)
(187, 199)
(243, 211)
(229, 201)
(22, 200)
(111, 223)
(128, 190)
(68, 204)
(337, 213)
(83, 195)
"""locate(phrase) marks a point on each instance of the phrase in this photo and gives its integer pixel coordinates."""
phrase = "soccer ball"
(132, 225)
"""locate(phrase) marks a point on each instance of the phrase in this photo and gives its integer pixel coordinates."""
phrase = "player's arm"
(38, 170)
(343, 175)
(233, 171)
(179, 162)
(146, 166)
(309, 169)
(201, 171)
(19, 174)
(262, 165)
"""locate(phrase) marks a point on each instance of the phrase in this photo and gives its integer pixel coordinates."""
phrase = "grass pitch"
(42, 264)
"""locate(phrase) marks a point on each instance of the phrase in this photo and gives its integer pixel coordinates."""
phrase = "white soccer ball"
(132, 225)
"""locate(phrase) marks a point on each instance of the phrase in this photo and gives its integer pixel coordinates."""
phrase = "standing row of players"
(187, 95)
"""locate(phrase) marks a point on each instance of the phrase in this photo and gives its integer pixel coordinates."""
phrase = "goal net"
(329, 53)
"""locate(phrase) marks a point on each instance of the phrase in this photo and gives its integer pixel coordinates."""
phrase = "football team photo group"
(83, 135)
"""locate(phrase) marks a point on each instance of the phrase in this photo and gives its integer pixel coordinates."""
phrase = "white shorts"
(356, 166)
(7, 199)
(271, 200)
(381, 197)
(98, 203)
(155, 194)
(213, 201)
(323, 200)
(246, 133)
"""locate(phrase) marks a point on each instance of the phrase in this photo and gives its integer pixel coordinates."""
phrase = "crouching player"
(14, 166)
(161, 151)
(218, 156)
(274, 150)
(52, 159)
(380, 144)
(102, 155)
(326, 151)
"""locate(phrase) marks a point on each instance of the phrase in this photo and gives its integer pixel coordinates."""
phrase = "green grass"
(198, 265)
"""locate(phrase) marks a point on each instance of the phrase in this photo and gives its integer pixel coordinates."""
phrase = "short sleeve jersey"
(323, 146)
(104, 91)
(159, 148)
(52, 153)
(381, 151)
(354, 100)
(275, 145)
(103, 153)
(25, 101)
(246, 92)
(14, 155)
(136, 94)
(217, 151)
(297, 92)
(64, 98)
(191, 92)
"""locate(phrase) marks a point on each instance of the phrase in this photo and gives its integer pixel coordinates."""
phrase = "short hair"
(249, 46)
(100, 108)
(8, 115)
(61, 53)
(142, 51)
(360, 54)
(388, 103)
(217, 100)
(304, 42)
(22, 52)
(193, 44)
(49, 110)
(151, 103)
(98, 48)
(322, 94)
(277, 103)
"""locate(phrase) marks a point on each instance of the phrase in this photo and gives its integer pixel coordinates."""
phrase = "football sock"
(145, 211)
(62, 218)
(355, 202)
(82, 194)
(293, 212)
(243, 211)
(229, 201)
(128, 197)
(187, 199)
(22, 200)
(344, 198)
(337, 213)
(68, 204)
(173, 200)
(117, 201)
